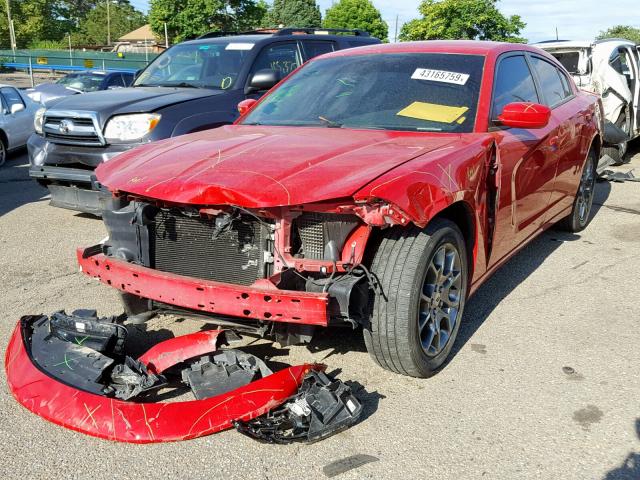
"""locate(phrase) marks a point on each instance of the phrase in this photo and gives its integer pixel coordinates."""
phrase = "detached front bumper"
(128, 421)
(253, 302)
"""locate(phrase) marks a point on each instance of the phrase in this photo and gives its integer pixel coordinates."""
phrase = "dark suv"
(193, 86)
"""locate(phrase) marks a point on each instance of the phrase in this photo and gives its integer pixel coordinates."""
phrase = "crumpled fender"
(605, 78)
(118, 420)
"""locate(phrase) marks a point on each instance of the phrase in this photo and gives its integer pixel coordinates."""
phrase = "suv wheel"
(423, 278)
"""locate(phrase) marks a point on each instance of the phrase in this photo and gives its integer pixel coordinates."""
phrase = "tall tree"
(190, 18)
(356, 14)
(33, 20)
(123, 19)
(621, 31)
(463, 19)
(294, 13)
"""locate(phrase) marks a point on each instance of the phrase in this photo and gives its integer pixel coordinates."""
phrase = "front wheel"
(3, 152)
(415, 317)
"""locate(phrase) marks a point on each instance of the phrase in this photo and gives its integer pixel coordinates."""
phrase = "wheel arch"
(461, 214)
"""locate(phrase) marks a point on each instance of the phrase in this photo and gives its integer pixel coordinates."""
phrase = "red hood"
(263, 166)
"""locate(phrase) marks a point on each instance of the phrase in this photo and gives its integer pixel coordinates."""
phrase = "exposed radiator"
(191, 246)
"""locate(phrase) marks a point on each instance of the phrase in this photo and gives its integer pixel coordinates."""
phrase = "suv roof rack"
(320, 31)
(286, 31)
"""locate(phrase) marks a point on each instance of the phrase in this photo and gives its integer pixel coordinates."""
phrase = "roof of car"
(284, 33)
(564, 44)
(471, 47)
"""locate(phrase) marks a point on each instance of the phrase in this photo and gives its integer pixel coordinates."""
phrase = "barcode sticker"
(440, 76)
(239, 46)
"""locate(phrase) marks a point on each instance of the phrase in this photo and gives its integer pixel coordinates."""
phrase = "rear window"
(569, 61)
(411, 92)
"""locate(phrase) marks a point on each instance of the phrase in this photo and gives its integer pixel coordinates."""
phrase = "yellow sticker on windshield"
(433, 112)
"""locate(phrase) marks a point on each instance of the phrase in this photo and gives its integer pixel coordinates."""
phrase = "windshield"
(209, 65)
(85, 82)
(407, 91)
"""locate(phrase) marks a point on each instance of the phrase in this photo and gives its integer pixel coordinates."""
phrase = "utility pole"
(12, 33)
(395, 36)
(70, 51)
(108, 24)
(166, 36)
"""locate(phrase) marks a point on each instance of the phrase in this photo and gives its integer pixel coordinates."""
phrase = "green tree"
(123, 19)
(294, 13)
(621, 31)
(356, 14)
(463, 19)
(34, 20)
(189, 18)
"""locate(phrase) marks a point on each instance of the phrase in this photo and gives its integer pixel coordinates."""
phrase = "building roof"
(139, 35)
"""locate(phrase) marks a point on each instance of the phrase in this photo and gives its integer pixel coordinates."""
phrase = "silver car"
(16, 119)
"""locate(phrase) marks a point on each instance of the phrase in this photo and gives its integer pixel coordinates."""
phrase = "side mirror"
(263, 80)
(16, 107)
(246, 105)
(525, 115)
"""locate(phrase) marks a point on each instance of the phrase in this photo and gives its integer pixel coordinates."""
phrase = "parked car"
(193, 86)
(610, 68)
(79, 82)
(376, 187)
(16, 120)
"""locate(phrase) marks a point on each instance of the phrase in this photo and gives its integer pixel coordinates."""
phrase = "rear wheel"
(416, 316)
(580, 214)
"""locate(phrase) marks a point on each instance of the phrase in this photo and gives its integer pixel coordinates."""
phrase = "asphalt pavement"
(544, 382)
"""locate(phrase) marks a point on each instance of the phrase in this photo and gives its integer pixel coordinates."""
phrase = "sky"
(575, 19)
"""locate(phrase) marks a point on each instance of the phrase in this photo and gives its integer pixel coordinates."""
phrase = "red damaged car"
(376, 187)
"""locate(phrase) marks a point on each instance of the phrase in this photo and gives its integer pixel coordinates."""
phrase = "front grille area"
(312, 231)
(81, 132)
(192, 246)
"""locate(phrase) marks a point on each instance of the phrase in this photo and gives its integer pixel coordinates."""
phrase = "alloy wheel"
(439, 308)
(585, 191)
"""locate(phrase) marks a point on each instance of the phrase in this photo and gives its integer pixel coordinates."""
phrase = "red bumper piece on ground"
(114, 419)
(250, 302)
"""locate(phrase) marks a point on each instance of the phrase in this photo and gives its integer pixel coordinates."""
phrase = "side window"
(566, 85)
(514, 83)
(313, 48)
(10, 97)
(115, 81)
(553, 90)
(128, 78)
(281, 57)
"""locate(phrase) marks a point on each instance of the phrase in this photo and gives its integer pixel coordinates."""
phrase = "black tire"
(3, 152)
(580, 215)
(618, 152)
(402, 264)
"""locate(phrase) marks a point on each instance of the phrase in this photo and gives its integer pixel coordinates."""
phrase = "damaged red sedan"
(375, 188)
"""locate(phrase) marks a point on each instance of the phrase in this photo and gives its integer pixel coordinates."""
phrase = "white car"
(16, 119)
(610, 68)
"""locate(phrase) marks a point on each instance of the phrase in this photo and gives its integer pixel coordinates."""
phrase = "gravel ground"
(503, 408)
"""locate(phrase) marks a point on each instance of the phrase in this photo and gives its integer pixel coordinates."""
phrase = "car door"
(18, 126)
(527, 158)
(557, 93)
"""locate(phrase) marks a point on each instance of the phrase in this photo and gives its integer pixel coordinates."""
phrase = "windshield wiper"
(330, 123)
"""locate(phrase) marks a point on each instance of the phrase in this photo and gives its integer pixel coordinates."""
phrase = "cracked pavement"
(543, 382)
